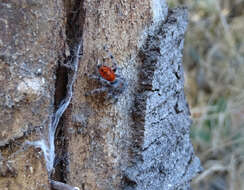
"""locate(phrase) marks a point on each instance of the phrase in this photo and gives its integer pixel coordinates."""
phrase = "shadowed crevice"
(74, 27)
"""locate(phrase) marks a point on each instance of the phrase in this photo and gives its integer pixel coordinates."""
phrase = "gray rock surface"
(165, 156)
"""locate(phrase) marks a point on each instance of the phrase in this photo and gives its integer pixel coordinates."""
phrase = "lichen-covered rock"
(165, 157)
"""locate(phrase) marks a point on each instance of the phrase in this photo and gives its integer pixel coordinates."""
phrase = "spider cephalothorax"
(112, 84)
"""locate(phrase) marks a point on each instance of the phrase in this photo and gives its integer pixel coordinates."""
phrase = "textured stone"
(166, 157)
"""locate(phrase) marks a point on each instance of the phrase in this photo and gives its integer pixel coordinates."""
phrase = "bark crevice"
(74, 28)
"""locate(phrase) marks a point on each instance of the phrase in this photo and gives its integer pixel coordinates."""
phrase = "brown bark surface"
(98, 146)
(31, 42)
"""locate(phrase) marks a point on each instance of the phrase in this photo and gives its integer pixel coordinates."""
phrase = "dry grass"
(214, 67)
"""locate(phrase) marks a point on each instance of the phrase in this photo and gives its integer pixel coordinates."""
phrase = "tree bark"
(32, 40)
(139, 142)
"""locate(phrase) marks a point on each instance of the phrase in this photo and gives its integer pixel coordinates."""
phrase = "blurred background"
(214, 86)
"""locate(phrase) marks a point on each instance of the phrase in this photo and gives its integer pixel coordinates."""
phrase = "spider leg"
(100, 79)
(109, 95)
(114, 62)
(94, 77)
(96, 91)
(111, 98)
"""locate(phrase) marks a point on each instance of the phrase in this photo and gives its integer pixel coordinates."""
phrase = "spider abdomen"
(107, 73)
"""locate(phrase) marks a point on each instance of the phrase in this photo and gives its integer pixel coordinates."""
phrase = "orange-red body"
(107, 73)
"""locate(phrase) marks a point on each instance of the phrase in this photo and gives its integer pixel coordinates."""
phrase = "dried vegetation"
(214, 68)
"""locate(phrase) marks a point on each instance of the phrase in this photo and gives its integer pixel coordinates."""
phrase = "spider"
(112, 84)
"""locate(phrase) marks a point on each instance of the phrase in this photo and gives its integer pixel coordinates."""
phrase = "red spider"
(107, 73)
(112, 84)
